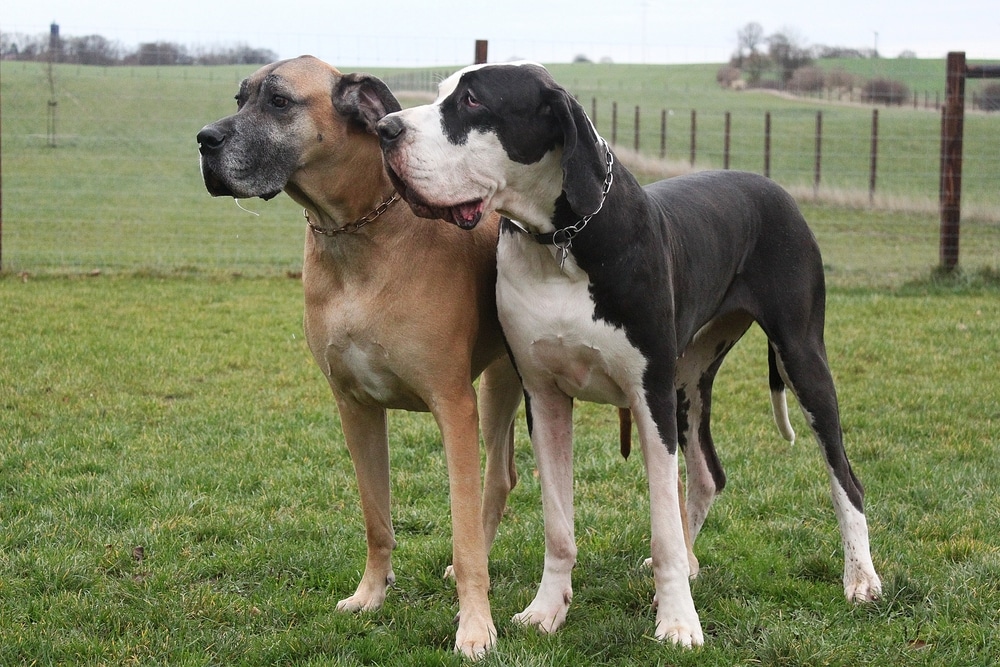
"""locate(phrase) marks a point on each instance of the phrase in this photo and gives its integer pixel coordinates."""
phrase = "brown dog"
(399, 312)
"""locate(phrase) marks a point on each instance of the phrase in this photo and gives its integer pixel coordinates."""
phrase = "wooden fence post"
(663, 133)
(637, 129)
(694, 141)
(952, 119)
(767, 144)
(482, 46)
(819, 152)
(725, 142)
(874, 158)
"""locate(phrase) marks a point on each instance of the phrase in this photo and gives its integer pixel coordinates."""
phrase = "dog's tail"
(779, 405)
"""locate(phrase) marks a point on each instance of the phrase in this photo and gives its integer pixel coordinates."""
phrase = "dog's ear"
(583, 165)
(363, 99)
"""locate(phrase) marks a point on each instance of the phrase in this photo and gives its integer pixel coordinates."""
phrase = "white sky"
(404, 33)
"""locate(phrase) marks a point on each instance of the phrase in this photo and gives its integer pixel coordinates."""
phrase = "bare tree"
(749, 40)
(788, 52)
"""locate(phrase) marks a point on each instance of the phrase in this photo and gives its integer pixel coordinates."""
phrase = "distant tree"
(885, 91)
(161, 53)
(755, 65)
(91, 50)
(728, 75)
(907, 54)
(749, 41)
(839, 79)
(581, 58)
(788, 53)
(823, 51)
(807, 79)
(19, 46)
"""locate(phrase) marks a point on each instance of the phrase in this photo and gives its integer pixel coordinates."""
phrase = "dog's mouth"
(465, 215)
(218, 186)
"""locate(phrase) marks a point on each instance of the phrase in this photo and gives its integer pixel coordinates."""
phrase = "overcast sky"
(403, 33)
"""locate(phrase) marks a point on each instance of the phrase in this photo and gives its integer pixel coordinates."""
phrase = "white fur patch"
(548, 318)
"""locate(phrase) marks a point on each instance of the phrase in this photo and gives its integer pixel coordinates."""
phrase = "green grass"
(185, 416)
(122, 191)
(168, 402)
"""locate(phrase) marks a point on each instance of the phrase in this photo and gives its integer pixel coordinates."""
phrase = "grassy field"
(121, 189)
(174, 488)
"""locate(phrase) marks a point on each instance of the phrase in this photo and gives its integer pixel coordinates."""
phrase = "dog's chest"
(548, 317)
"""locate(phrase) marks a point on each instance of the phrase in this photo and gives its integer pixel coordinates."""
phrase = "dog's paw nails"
(866, 590)
(547, 622)
(475, 642)
(680, 635)
(449, 572)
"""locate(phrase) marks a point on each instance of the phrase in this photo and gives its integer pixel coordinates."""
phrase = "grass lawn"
(176, 490)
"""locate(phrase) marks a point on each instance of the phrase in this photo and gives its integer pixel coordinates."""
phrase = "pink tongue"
(468, 214)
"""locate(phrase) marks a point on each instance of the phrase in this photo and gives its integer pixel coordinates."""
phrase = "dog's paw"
(677, 620)
(867, 588)
(368, 596)
(680, 634)
(476, 635)
(546, 616)
(449, 572)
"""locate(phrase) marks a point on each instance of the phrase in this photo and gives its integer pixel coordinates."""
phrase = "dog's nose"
(390, 129)
(210, 139)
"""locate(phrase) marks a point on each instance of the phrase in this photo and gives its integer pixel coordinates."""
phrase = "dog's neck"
(563, 224)
(332, 202)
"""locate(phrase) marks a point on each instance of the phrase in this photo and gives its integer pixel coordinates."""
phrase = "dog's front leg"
(676, 617)
(458, 420)
(499, 398)
(552, 441)
(366, 433)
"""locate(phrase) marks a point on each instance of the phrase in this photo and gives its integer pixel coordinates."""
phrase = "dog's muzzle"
(465, 215)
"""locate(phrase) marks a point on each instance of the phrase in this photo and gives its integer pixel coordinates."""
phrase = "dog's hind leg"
(696, 371)
(366, 433)
(804, 363)
(499, 397)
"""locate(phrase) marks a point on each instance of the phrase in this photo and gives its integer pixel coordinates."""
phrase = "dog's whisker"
(243, 208)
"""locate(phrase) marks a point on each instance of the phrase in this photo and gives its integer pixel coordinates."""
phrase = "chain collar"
(352, 227)
(563, 238)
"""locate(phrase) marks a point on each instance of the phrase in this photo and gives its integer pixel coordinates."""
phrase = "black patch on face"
(500, 100)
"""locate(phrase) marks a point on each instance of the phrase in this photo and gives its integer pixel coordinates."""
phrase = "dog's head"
(499, 137)
(288, 114)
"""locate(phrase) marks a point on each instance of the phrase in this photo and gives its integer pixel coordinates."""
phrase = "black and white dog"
(615, 293)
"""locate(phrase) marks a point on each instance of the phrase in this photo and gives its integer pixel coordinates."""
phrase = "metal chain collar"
(352, 227)
(563, 238)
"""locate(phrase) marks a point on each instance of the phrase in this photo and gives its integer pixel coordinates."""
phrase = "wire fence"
(110, 180)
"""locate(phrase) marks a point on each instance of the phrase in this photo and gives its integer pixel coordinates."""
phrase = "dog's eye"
(279, 102)
(469, 99)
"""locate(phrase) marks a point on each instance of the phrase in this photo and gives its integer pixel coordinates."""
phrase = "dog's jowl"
(628, 295)
(387, 332)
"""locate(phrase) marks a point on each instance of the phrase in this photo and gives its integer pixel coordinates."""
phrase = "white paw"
(863, 588)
